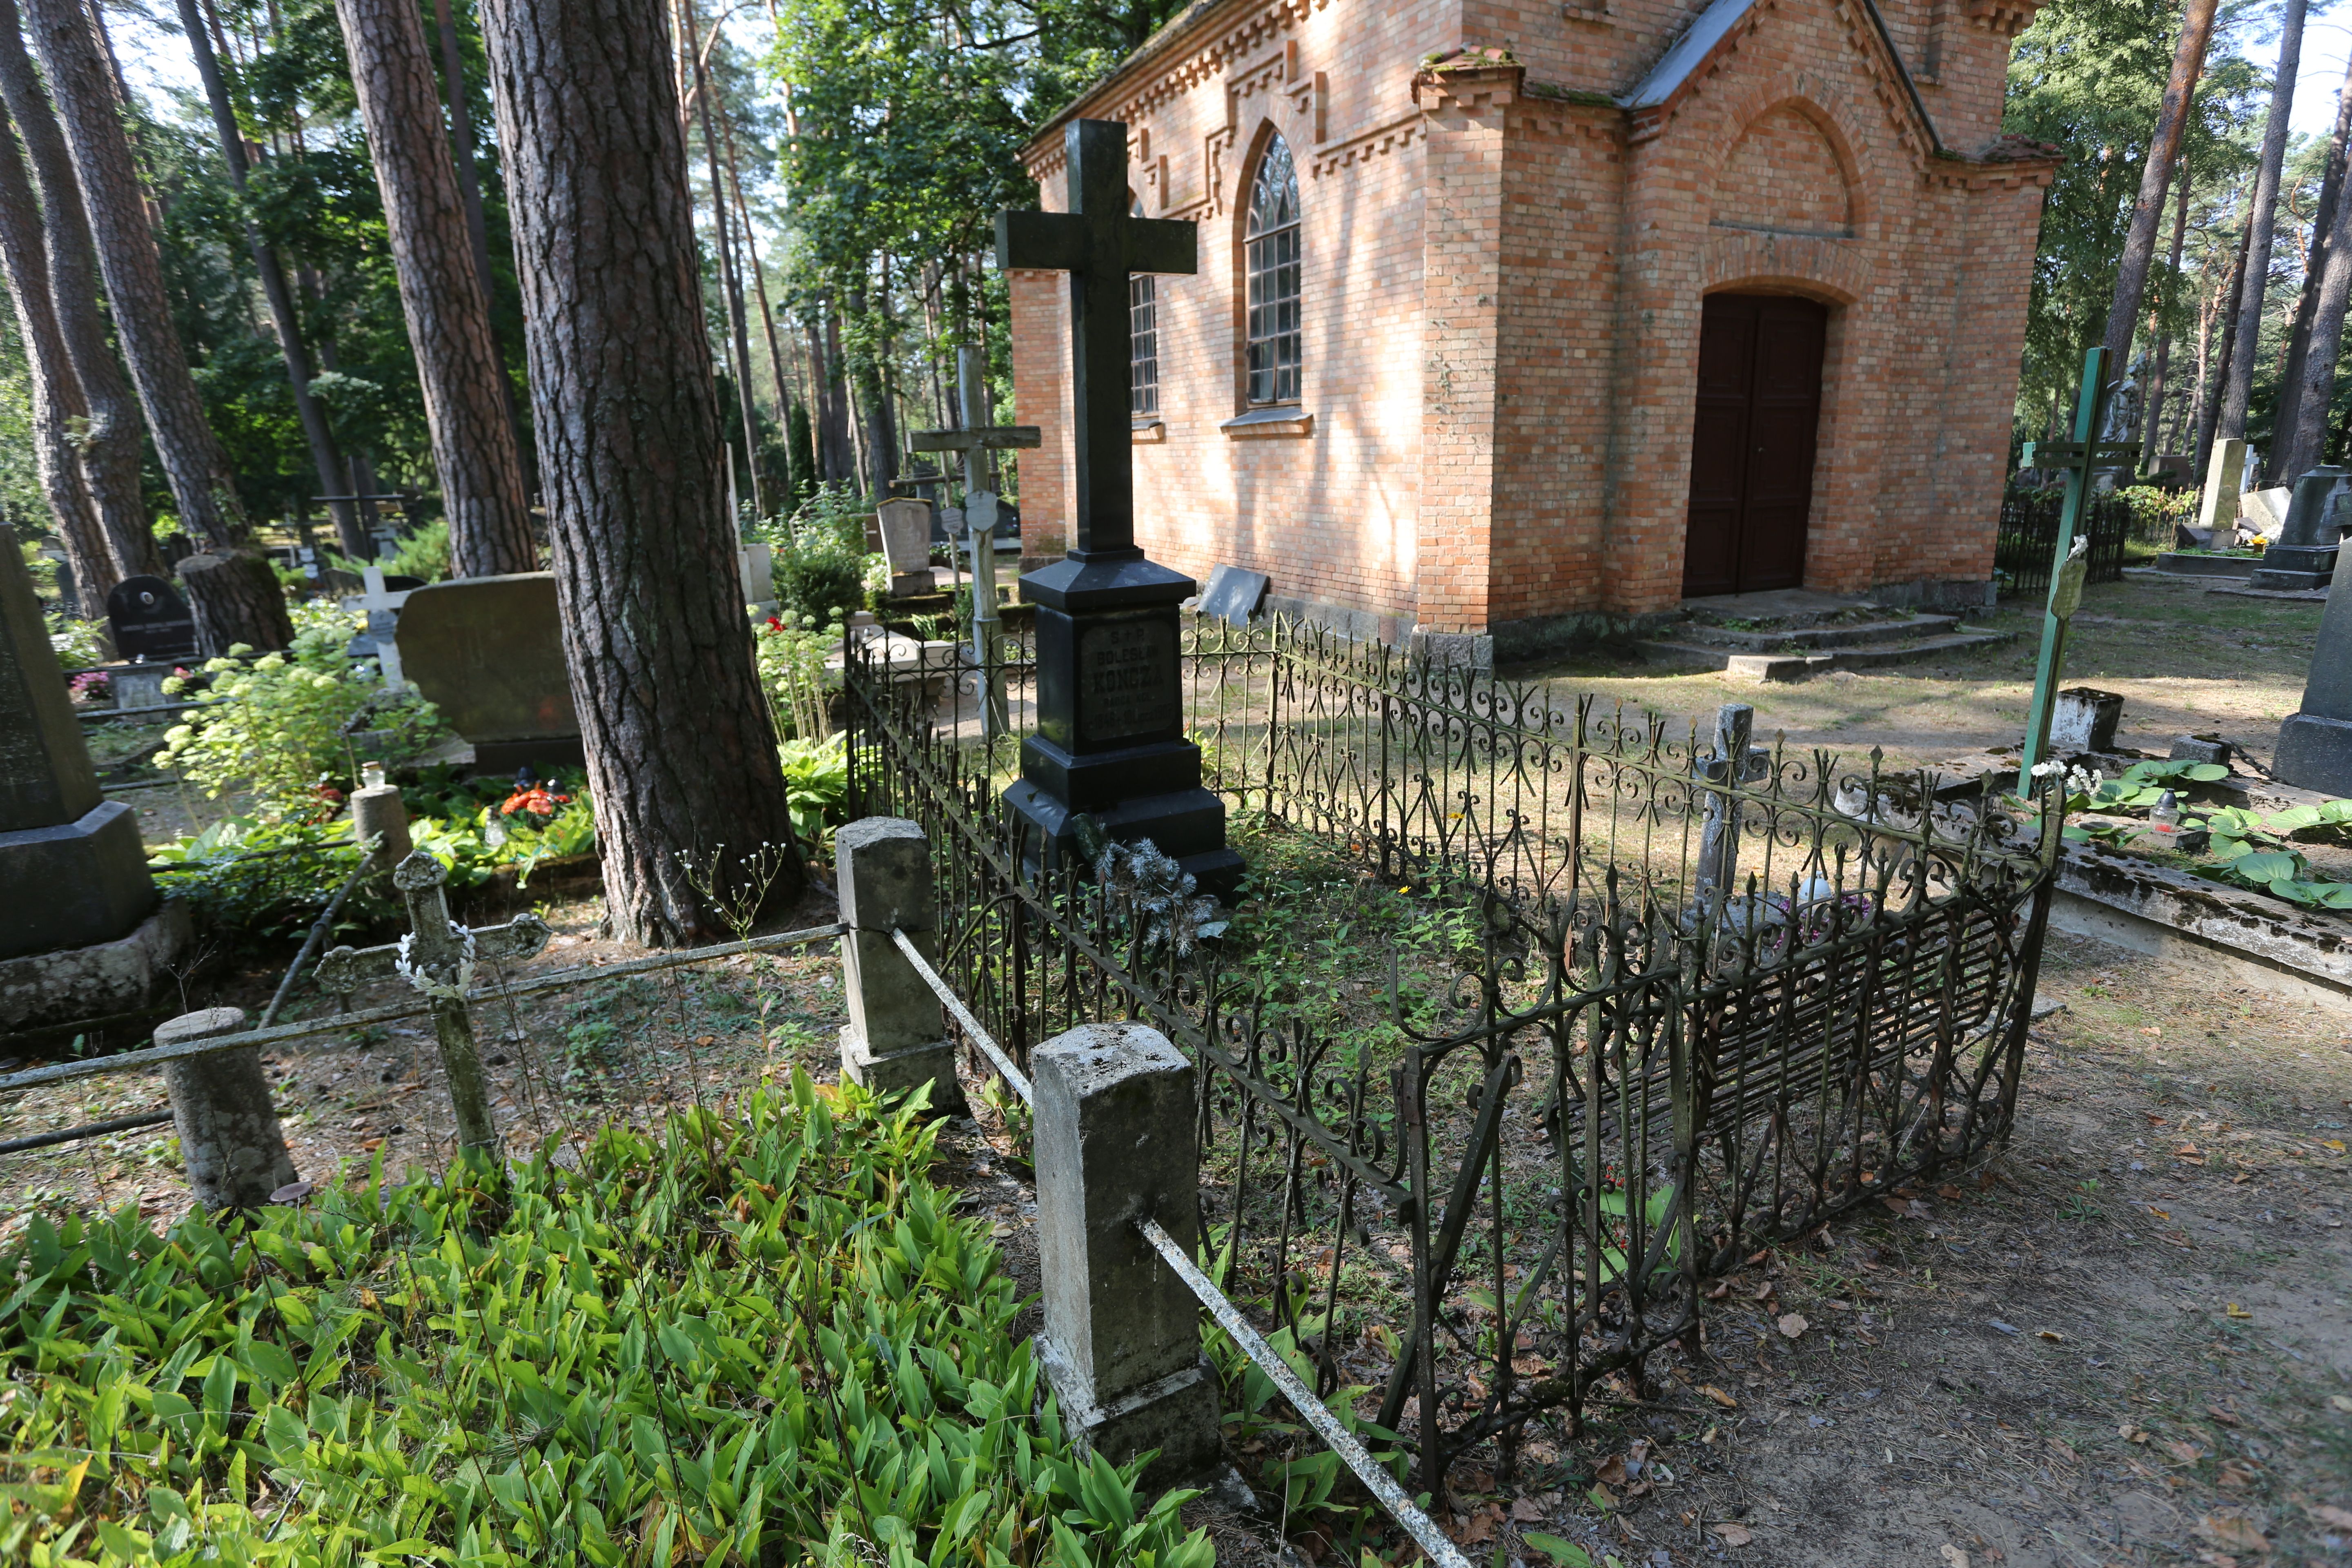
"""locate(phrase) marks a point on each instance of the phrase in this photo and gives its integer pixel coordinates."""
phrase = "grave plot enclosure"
(1694, 1004)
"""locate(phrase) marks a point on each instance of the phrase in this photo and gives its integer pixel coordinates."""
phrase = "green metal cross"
(2079, 458)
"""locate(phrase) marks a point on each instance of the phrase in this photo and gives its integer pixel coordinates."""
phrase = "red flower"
(775, 624)
(536, 799)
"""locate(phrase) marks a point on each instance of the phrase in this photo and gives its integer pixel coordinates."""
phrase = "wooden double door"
(1759, 403)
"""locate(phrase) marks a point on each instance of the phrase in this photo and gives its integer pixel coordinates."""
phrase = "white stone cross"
(387, 652)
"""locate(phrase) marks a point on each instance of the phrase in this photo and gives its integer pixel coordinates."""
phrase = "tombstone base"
(2296, 568)
(896, 1072)
(100, 980)
(1189, 823)
(2316, 754)
(1178, 1416)
(75, 884)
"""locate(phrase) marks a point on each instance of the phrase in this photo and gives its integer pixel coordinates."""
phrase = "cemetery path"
(2184, 660)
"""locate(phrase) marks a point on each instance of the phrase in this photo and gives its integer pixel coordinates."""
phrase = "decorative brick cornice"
(2006, 17)
(1473, 80)
(2009, 163)
(1367, 145)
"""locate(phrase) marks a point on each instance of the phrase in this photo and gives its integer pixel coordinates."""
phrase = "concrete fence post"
(896, 1039)
(1121, 1346)
(229, 1137)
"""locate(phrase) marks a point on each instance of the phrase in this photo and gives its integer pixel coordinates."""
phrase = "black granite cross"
(1099, 245)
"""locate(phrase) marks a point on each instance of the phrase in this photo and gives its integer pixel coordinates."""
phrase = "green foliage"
(276, 728)
(79, 645)
(2087, 78)
(792, 668)
(819, 584)
(816, 781)
(478, 828)
(424, 553)
(759, 1338)
(265, 879)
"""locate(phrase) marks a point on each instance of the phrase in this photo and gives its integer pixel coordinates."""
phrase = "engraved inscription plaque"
(1127, 680)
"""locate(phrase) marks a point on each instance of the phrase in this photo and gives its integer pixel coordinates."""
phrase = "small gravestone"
(2223, 475)
(756, 564)
(2084, 719)
(138, 685)
(382, 595)
(2263, 512)
(1233, 595)
(488, 653)
(149, 620)
(2303, 556)
(69, 595)
(2201, 749)
(906, 543)
(2315, 746)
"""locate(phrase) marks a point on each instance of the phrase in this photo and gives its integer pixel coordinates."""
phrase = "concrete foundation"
(96, 980)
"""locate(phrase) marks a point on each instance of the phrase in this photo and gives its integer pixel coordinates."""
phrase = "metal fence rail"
(2028, 539)
(1219, 1306)
(1693, 1013)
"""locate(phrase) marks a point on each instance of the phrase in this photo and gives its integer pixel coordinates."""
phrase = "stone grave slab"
(2265, 511)
(149, 620)
(1233, 595)
(905, 525)
(72, 872)
(489, 652)
(2224, 472)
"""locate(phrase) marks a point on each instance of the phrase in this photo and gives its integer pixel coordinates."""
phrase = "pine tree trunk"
(326, 457)
(193, 463)
(2291, 435)
(469, 187)
(681, 753)
(2208, 422)
(440, 290)
(730, 275)
(2305, 403)
(2153, 409)
(109, 450)
(2240, 390)
(2156, 179)
(56, 394)
(230, 591)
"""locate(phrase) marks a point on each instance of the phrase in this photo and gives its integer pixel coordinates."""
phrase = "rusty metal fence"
(1699, 996)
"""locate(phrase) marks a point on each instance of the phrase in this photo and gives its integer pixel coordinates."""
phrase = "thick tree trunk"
(56, 394)
(2291, 434)
(469, 187)
(2305, 403)
(326, 457)
(110, 447)
(2261, 220)
(2208, 422)
(193, 463)
(681, 753)
(2156, 179)
(2153, 407)
(440, 290)
(230, 591)
(836, 449)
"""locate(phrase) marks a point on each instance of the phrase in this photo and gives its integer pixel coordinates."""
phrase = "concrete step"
(1791, 639)
(1690, 653)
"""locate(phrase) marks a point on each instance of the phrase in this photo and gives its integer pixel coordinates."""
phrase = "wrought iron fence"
(1700, 1001)
(2028, 539)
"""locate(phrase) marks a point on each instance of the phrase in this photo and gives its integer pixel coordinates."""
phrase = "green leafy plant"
(424, 553)
(762, 1337)
(266, 879)
(792, 668)
(816, 782)
(276, 726)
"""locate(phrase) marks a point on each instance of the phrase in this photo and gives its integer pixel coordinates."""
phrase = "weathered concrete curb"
(1772, 667)
(102, 979)
(2259, 940)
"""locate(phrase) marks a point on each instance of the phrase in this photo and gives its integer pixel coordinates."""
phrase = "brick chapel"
(1516, 318)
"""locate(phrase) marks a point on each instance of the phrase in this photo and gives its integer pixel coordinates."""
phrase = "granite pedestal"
(2304, 558)
(2315, 746)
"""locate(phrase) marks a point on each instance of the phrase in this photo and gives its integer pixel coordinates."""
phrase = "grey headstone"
(2314, 745)
(2317, 497)
(489, 652)
(71, 868)
(2083, 718)
(1233, 595)
(2201, 749)
(148, 619)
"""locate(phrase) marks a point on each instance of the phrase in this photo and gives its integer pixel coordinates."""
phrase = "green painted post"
(2079, 457)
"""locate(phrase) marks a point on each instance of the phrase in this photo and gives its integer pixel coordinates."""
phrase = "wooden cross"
(1100, 245)
(437, 958)
(387, 652)
(2078, 459)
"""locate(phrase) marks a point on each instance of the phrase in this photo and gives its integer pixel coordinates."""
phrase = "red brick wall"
(1503, 285)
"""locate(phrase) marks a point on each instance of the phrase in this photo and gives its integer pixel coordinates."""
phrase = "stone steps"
(1791, 639)
(1690, 653)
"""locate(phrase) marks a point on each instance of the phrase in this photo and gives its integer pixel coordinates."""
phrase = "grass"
(763, 1337)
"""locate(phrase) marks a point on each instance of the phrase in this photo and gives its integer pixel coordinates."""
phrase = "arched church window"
(1272, 263)
(1142, 339)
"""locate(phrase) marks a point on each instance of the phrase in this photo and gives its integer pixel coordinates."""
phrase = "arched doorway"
(1759, 403)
